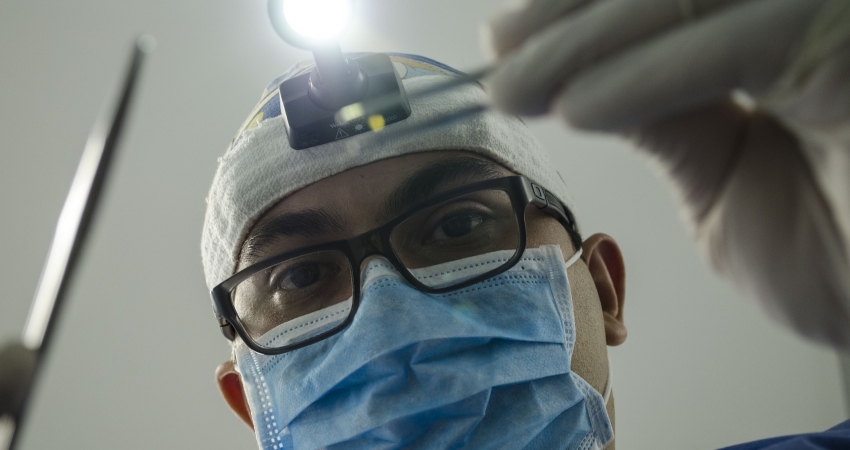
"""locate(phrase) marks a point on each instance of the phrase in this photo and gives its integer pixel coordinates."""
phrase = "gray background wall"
(134, 360)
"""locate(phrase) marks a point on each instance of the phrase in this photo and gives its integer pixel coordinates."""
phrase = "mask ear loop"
(573, 259)
(607, 392)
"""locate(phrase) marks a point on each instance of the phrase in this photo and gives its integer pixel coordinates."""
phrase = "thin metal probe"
(63, 257)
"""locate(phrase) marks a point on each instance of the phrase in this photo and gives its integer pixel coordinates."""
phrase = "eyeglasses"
(312, 293)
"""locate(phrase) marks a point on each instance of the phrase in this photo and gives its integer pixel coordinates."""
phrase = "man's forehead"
(370, 182)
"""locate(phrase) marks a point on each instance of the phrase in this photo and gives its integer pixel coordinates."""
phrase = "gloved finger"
(774, 235)
(526, 80)
(508, 28)
(746, 46)
(696, 149)
(758, 213)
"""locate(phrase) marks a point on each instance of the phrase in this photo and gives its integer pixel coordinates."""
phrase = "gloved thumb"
(518, 20)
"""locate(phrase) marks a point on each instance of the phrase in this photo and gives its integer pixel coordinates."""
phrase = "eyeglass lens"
(293, 289)
(460, 228)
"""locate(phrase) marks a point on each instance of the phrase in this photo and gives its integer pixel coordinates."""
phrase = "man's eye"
(456, 226)
(303, 275)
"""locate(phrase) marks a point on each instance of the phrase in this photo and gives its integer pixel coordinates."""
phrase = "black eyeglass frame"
(521, 191)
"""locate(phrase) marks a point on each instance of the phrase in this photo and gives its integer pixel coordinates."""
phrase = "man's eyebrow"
(424, 182)
(306, 223)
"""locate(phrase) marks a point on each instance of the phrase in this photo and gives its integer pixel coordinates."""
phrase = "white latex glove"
(767, 191)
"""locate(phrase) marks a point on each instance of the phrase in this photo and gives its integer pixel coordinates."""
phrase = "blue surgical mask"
(484, 367)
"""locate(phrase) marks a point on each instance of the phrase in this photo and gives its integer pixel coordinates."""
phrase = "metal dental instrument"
(20, 362)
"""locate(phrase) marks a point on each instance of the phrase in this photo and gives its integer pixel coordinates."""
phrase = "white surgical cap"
(260, 168)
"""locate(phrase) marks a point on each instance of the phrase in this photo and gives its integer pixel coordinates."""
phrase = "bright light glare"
(318, 20)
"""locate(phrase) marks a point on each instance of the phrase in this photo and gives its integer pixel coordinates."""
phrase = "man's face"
(361, 199)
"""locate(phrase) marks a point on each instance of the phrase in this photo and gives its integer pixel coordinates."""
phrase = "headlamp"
(309, 102)
(311, 23)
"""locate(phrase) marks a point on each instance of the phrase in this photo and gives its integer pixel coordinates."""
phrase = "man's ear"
(230, 384)
(605, 264)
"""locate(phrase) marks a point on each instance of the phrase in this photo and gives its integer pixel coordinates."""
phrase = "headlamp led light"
(310, 102)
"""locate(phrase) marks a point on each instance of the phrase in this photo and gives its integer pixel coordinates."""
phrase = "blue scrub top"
(837, 437)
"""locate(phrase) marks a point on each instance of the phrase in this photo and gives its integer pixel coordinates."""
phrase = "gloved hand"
(767, 189)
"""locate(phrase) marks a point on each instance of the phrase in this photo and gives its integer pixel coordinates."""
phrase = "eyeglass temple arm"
(227, 329)
(544, 200)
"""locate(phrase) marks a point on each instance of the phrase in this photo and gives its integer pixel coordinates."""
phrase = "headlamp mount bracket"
(309, 102)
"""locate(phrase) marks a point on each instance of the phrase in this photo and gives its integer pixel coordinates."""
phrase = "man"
(270, 200)
(418, 358)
